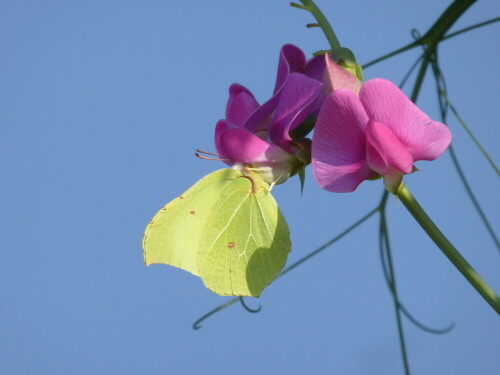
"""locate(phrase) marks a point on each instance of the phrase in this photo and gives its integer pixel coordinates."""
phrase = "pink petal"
(240, 105)
(297, 98)
(384, 150)
(424, 138)
(339, 146)
(292, 59)
(342, 179)
(242, 146)
(335, 77)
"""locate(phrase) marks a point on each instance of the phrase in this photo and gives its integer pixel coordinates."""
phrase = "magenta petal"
(424, 138)
(222, 127)
(242, 146)
(292, 59)
(260, 118)
(385, 151)
(296, 100)
(335, 77)
(240, 105)
(339, 146)
(315, 68)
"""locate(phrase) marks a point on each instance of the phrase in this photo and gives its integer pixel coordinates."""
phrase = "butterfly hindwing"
(246, 241)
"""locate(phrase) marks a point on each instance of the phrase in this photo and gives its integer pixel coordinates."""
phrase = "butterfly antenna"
(201, 154)
(207, 153)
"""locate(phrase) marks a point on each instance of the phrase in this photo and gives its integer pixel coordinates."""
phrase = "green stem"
(447, 19)
(312, 8)
(447, 248)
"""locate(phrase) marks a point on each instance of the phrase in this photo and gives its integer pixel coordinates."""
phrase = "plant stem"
(447, 248)
(447, 19)
(310, 6)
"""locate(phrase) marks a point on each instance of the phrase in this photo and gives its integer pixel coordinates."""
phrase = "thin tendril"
(471, 28)
(386, 247)
(468, 130)
(409, 316)
(329, 243)
(443, 106)
(410, 71)
(472, 196)
(245, 306)
(390, 54)
(196, 325)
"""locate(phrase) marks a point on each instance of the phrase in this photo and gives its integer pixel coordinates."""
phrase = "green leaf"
(227, 229)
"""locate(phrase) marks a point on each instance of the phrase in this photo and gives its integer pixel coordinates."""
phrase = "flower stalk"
(447, 248)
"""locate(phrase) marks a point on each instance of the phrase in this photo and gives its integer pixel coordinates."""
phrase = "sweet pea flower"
(379, 133)
(259, 136)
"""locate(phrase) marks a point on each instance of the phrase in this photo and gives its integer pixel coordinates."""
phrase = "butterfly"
(227, 229)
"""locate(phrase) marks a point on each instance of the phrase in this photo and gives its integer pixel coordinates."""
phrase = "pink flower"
(259, 136)
(379, 133)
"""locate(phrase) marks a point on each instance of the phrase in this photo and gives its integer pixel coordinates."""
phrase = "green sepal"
(302, 177)
(345, 58)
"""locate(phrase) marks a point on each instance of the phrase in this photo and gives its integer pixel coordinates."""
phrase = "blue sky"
(102, 107)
